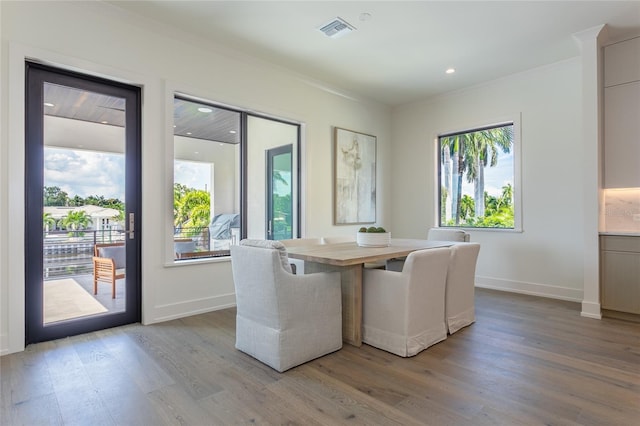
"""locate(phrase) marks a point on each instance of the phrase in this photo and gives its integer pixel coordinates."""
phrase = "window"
(476, 176)
(221, 190)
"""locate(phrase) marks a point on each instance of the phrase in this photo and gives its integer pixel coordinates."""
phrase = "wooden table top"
(345, 254)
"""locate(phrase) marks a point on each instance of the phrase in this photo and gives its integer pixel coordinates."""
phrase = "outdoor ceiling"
(191, 119)
(399, 50)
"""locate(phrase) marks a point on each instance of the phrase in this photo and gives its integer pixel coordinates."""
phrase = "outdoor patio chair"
(109, 261)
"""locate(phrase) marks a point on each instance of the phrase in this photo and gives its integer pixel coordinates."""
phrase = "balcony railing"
(68, 253)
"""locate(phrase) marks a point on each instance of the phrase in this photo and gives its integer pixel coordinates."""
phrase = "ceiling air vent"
(337, 27)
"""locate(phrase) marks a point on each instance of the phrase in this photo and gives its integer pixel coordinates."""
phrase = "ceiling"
(399, 51)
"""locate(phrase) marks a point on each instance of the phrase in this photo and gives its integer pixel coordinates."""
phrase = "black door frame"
(36, 76)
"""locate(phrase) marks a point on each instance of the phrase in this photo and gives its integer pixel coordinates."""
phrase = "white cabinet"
(622, 62)
(622, 136)
(622, 114)
(620, 273)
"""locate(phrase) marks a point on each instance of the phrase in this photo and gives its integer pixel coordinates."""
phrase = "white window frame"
(517, 170)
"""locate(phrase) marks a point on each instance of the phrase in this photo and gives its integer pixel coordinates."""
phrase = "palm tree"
(192, 209)
(483, 151)
(48, 222)
(506, 198)
(471, 153)
(75, 221)
(455, 148)
(467, 207)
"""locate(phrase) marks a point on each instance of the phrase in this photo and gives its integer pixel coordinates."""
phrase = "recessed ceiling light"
(49, 104)
(233, 132)
(203, 109)
(188, 133)
(104, 122)
(450, 70)
(174, 126)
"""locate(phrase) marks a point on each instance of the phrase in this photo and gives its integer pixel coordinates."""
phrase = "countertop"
(621, 234)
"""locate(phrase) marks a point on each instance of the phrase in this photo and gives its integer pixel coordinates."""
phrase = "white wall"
(547, 257)
(98, 39)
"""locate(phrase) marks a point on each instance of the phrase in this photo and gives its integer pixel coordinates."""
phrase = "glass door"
(270, 158)
(82, 203)
(279, 193)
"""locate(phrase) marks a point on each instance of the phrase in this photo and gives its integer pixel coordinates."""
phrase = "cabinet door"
(622, 62)
(621, 281)
(622, 136)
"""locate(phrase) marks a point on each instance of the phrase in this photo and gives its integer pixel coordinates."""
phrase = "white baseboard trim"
(188, 308)
(4, 344)
(591, 310)
(533, 289)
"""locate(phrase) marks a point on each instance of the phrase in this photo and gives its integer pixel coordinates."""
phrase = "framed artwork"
(354, 180)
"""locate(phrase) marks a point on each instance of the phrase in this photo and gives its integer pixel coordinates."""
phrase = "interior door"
(279, 193)
(82, 180)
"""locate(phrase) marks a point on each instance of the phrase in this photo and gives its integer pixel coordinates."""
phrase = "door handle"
(132, 223)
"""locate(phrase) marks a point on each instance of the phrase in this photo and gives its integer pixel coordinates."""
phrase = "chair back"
(256, 266)
(403, 312)
(282, 319)
(460, 294)
(181, 246)
(426, 274)
(115, 251)
(445, 234)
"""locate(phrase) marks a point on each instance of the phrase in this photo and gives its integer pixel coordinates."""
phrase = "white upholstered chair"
(436, 234)
(294, 242)
(403, 312)
(460, 289)
(448, 234)
(282, 319)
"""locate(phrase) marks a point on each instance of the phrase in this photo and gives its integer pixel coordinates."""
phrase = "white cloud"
(85, 173)
(193, 174)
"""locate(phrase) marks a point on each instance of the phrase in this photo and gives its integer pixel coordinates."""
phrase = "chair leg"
(95, 284)
(113, 289)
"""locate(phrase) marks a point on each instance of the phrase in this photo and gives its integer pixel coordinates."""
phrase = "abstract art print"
(355, 177)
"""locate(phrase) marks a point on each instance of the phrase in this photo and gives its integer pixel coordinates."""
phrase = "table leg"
(351, 283)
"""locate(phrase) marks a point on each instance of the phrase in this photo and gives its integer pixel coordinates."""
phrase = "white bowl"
(373, 239)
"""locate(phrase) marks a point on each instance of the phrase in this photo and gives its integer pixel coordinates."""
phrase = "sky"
(84, 173)
(193, 174)
(497, 177)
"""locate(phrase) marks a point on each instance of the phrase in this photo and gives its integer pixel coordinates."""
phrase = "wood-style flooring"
(526, 361)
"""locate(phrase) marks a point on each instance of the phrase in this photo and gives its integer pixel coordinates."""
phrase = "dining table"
(349, 259)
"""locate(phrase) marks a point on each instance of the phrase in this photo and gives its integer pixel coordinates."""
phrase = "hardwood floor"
(526, 361)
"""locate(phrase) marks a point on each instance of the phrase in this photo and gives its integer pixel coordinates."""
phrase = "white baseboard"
(187, 308)
(534, 289)
(4, 344)
(591, 310)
